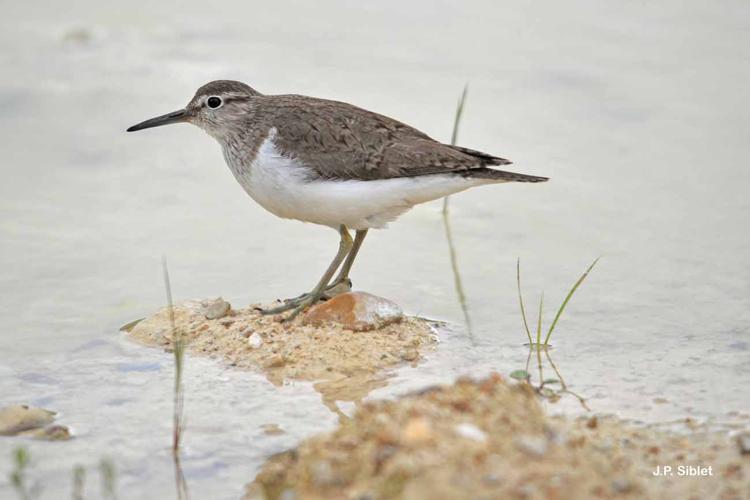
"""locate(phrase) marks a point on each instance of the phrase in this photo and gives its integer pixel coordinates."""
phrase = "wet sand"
(491, 439)
(344, 365)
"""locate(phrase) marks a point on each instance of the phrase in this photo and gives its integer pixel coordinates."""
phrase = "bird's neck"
(241, 145)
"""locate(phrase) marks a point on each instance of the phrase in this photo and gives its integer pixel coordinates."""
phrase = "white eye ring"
(214, 102)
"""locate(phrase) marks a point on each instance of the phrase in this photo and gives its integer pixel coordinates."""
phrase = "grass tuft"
(541, 306)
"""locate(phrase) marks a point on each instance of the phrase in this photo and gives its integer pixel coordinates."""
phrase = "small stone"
(216, 309)
(272, 429)
(417, 430)
(247, 332)
(592, 423)
(743, 442)
(53, 432)
(19, 418)
(357, 311)
(255, 341)
(276, 362)
(409, 354)
(471, 431)
(536, 446)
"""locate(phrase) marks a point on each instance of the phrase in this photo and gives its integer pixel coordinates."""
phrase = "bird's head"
(215, 107)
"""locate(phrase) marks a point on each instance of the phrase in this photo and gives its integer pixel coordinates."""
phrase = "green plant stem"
(520, 301)
(567, 299)
(539, 321)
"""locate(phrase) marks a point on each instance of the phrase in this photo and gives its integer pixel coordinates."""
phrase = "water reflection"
(550, 388)
(458, 284)
(349, 389)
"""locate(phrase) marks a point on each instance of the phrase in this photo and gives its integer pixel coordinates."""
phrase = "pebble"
(536, 446)
(54, 432)
(417, 430)
(216, 309)
(272, 429)
(356, 311)
(471, 431)
(19, 418)
(255, 340)
(410, 355)
(743, 441)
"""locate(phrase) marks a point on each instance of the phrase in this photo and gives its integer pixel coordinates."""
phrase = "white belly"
(281, 185)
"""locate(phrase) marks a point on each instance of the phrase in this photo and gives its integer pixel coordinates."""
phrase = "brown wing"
(340, 141)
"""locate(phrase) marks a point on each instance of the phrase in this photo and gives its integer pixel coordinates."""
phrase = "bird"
(330, 163)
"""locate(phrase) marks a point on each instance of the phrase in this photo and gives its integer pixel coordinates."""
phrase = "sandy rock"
(216, 309)
(19, 418)
(343, 366)
(357, 311)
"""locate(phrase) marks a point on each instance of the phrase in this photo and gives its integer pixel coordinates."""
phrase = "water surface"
(637, 112)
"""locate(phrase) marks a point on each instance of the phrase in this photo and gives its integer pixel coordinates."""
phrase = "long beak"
(173, 117)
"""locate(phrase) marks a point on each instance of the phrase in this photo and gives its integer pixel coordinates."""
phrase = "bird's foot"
(299, 304)
(296, 305)
(335, 288)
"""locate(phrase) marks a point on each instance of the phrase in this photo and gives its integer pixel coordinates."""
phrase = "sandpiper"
(330, 163)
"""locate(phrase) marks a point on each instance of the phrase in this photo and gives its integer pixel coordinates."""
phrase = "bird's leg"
(301, 303)
(342, 283)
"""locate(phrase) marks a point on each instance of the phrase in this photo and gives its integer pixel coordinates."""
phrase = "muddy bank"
(492, 439)
(344, 364)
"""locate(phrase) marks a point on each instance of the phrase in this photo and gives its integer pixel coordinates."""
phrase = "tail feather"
(485, 158)
(501, 175)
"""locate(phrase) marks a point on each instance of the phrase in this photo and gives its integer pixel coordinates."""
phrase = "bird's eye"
(214, 102)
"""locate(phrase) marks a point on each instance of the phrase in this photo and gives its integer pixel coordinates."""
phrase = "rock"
(470, 431)
(255, 341)
(215, 309)
(743, 441)
(272, 429)
(54, 432)
(409, 354)
(19, 418)
(417, 430)
(535, 446)
(357, 311)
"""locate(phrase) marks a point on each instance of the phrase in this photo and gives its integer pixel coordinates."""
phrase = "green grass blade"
(567, 299)
(520, 301)
(459, 113)
(454, 134)
(539, 321)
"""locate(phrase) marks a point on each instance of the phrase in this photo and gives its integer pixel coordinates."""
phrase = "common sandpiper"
(330, 163)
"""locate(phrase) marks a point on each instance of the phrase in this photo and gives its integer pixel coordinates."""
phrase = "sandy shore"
(491, 439)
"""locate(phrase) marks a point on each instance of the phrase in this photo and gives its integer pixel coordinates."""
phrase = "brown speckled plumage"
(337, 140)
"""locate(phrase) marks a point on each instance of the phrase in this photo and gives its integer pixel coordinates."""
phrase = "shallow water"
(637, 112)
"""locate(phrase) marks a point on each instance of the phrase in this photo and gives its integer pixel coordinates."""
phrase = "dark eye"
(214, 102)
